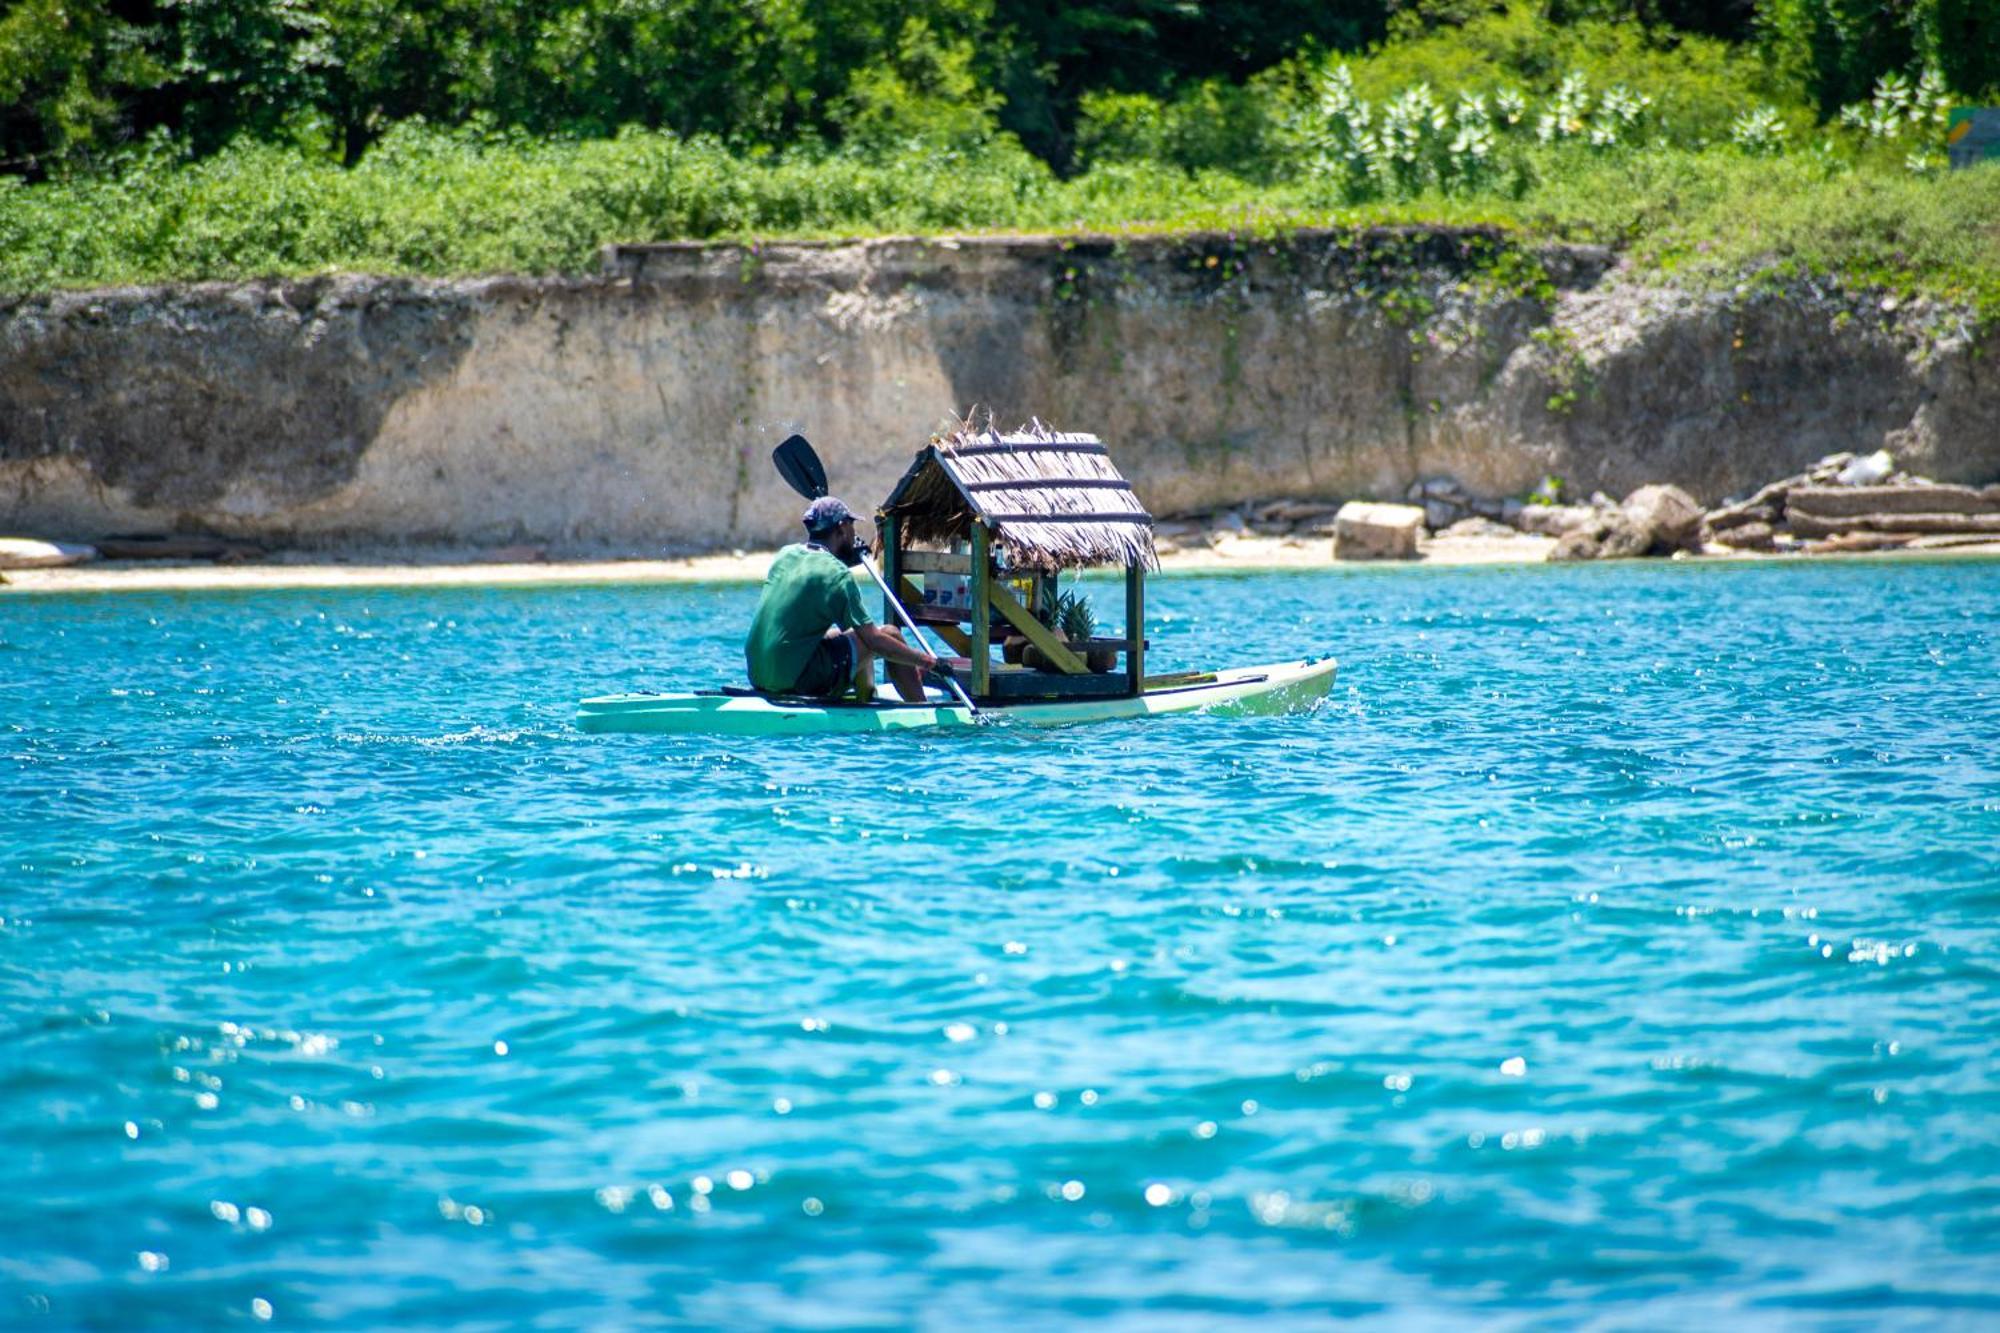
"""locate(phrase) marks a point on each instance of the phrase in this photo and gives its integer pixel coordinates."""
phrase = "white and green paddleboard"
(1244, 691)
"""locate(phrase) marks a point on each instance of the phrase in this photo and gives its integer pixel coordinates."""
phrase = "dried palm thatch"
(1053, 501)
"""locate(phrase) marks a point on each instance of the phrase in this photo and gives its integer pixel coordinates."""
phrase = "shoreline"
(466, 569)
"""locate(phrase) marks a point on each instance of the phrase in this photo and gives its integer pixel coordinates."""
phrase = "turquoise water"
(1616, 946)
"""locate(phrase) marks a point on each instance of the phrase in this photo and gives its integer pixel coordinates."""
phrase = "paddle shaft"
(896, 605)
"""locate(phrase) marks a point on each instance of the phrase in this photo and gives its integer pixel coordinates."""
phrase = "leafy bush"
(1695, 83)
(1759, 131)
(1835, 50)
(1600, 150)
(433, 201)
(1897, 105)
(1215, 125)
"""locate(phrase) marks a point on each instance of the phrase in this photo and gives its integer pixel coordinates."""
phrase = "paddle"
(800, 467)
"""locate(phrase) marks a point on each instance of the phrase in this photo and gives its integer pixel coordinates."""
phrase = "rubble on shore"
(1845, 502)
(1849, 503)
(1653, 520)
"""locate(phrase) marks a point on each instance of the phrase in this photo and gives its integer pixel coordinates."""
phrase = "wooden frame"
(982, 610)
(892, 561)
(1135, 628)
(1037, 633)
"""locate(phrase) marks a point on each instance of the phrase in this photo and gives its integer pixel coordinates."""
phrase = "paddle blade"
(800, 467)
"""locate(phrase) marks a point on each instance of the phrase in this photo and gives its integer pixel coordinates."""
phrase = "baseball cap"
(826, 513)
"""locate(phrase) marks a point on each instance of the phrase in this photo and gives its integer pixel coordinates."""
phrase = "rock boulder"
(1832, 502)
(1483, 529)
(1749, 536)
(1554, 520)
(1667, 514)
(1366, 531)
(1654, 520)
(30, 553)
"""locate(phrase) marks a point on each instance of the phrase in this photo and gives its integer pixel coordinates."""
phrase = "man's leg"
(863, 678)
(908, 682)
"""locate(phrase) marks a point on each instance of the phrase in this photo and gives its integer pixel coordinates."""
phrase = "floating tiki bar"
(1009, 513)
(989, 521)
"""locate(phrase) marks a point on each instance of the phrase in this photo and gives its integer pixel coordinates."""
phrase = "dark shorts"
(830, 670)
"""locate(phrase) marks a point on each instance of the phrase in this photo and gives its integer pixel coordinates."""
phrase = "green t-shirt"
(807, 592)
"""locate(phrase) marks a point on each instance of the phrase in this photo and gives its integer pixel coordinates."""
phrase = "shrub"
(1215, 125)
(1696, 83)
(1759, 131)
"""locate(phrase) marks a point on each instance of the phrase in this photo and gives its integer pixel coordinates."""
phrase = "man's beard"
(850, 553)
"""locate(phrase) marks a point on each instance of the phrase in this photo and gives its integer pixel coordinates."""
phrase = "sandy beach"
(467, 568)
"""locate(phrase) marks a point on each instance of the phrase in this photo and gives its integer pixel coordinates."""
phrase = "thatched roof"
(1054, 501)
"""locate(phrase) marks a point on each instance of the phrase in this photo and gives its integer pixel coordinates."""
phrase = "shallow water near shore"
(1616, 945)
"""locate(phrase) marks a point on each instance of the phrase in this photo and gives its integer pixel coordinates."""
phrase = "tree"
(69, 70)
(1048, 53)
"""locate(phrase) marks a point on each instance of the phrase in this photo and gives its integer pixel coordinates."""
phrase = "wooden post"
(982, 612)
(892, 563)
(1135, 627)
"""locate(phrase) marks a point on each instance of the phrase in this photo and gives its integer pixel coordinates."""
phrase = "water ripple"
(1615, 946)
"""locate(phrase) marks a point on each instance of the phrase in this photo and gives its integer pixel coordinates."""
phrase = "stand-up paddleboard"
(1245, 691)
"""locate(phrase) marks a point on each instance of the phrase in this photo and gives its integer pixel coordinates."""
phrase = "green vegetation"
(236, 138)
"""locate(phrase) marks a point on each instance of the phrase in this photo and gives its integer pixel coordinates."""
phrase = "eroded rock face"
(207, 399)
(639, 408)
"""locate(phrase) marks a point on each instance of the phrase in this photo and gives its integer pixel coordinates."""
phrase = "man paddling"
(811, 634)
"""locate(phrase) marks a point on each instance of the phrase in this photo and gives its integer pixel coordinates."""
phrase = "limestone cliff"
(637, 408)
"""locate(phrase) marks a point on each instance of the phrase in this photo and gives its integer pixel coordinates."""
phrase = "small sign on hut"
(1003, 516)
